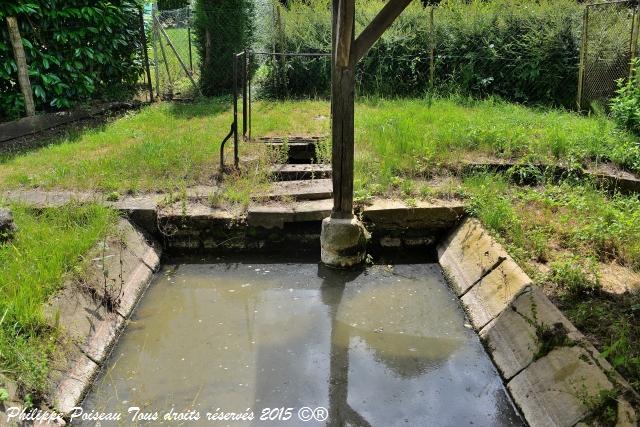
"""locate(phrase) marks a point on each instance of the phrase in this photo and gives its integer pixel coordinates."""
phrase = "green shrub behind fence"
(521, 50)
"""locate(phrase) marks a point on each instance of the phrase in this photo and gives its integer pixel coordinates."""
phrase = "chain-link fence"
(609, 43)
(174, 59)
(535, 55)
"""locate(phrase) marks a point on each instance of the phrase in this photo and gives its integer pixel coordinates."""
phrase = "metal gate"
(609, 44)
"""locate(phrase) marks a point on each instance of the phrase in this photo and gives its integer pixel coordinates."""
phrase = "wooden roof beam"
(383, 20)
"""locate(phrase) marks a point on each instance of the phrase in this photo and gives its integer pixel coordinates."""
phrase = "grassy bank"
(167, 147)
(569, 236)
(47, 249)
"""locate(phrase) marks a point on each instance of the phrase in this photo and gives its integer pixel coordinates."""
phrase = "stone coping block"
(126, 260)
(468, 254)
(276, 215)
(512, 338)
(494, 292)
(557, 389)
(396, 214)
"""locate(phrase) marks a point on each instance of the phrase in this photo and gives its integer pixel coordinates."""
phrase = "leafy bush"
(76, 50)
(222, 28)
(521, 50)
(625, 107)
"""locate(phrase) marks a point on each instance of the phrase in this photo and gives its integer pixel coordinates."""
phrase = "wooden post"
(154, 38)
(347, 51)
(21, 62)
(432, 48)
(583, 57)
(145, 51)
(342, 108)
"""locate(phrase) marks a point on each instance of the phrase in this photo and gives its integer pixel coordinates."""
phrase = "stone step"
(314, 139)
(301, 190)
(298, 152)
(293, 172)
(277, 214)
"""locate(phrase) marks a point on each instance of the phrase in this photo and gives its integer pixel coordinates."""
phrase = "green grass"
(47, 249)
(167, 147)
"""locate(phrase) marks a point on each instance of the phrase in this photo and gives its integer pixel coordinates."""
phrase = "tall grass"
(47, 249)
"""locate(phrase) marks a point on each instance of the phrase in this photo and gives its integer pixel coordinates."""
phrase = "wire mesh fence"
(529, 56)
(174, 59)
(609, 43)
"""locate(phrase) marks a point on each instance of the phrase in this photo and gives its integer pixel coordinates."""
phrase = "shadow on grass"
(203, 107)
(70, 132)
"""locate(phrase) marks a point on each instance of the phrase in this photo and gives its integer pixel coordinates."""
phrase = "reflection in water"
(381, 346)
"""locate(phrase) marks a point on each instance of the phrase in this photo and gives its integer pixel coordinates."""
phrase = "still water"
(291, 342)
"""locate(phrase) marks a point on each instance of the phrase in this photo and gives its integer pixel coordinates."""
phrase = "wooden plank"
(21, 62)
(383, 20)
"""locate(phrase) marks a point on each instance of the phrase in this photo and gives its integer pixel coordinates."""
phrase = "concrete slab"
(85, 321)
(494, 292)
(555, 390)
(275, 215)
(469, 253)
(72, 374)
(49, 199)
(124, 265)
(627, 415)
(293, 172)
(396, 214)
(512, 338)
(314, 189)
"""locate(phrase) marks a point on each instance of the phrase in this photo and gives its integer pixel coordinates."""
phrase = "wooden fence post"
(21, 62)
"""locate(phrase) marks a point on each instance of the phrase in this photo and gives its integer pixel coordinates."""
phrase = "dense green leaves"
(625, 107)
(518, 49)
(76, 50)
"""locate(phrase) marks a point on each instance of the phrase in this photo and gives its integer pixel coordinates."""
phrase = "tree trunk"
(21, 62)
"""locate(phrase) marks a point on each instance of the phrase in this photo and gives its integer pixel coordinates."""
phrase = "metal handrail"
(246, 99)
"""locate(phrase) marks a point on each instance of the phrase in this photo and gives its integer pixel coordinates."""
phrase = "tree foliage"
(521, 50)
(222, 28)
(76, 50)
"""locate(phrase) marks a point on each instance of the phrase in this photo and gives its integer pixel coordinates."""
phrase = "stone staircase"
(301, 191)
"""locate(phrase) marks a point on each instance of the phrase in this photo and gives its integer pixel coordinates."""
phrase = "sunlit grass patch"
(47, 249)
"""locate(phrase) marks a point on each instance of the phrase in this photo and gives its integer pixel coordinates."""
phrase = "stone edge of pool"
(504, 306)
(127, 260)
(510, 313)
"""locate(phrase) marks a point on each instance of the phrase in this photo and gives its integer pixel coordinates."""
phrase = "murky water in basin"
(385, 346)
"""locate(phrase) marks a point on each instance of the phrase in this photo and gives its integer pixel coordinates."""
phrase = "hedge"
(521, 50)
(76, 50)
(222, 28)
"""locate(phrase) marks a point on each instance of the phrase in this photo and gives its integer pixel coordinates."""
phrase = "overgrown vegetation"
(47, 249)
(166, 147)
(625, 107)
(71, 59)
(520, 50)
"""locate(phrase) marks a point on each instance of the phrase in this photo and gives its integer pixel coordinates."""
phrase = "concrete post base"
(343, 242)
